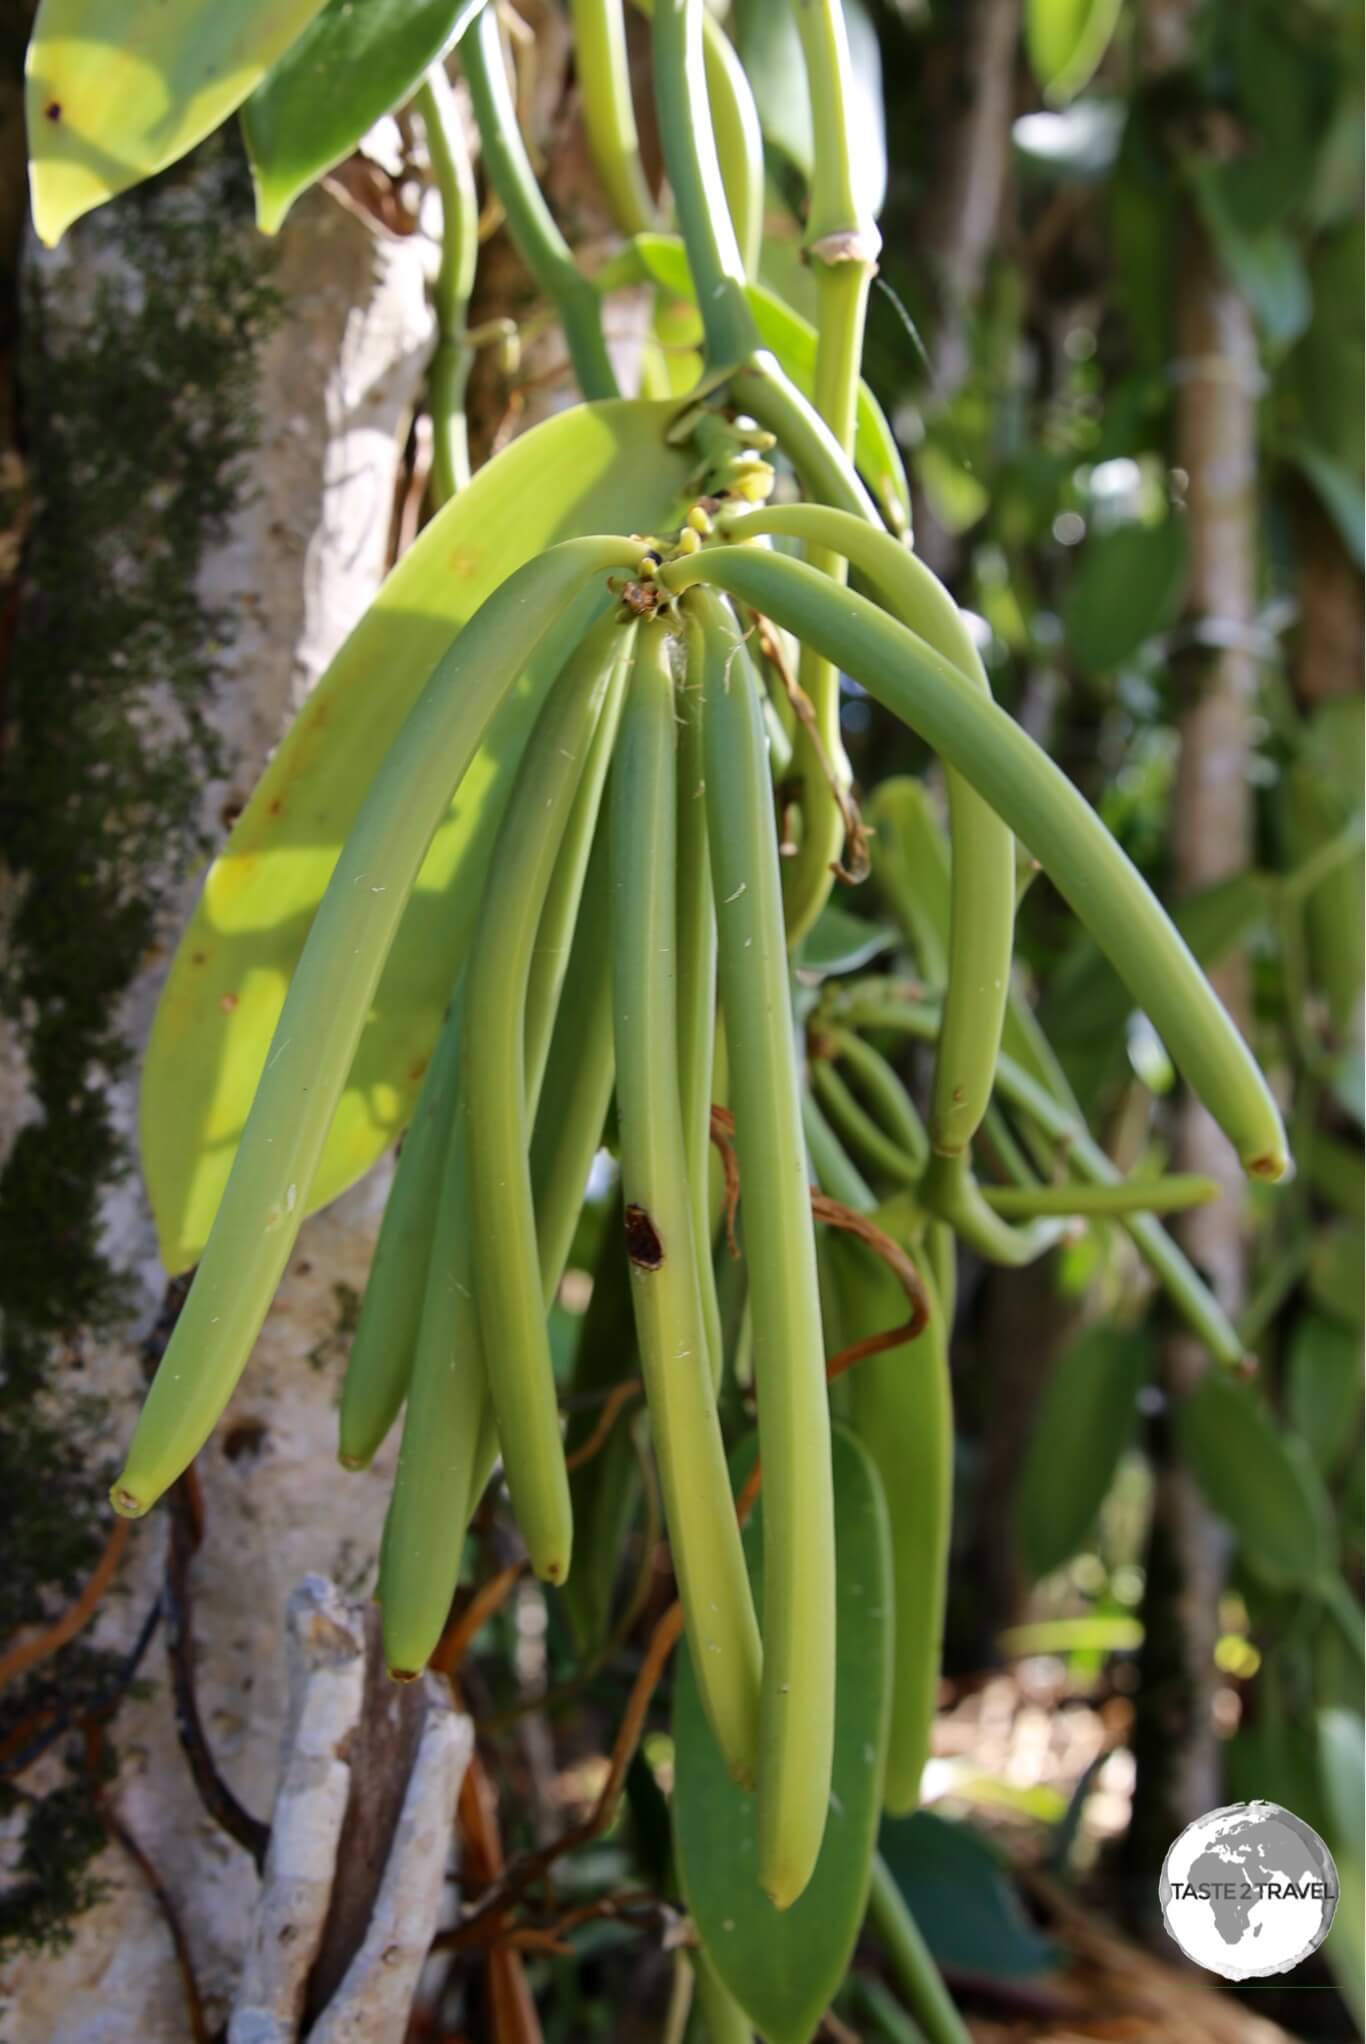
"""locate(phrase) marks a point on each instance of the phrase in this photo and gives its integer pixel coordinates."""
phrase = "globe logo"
(1248, 1890)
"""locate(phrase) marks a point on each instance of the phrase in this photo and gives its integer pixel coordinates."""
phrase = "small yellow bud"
(699, 521)
(689, 540)
(756, 488)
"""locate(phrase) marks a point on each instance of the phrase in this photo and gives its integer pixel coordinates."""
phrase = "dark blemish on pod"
(643, 1245)
(53, 110)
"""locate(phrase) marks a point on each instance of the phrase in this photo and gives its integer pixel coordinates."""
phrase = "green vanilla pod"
(1035, 798)
(859, 1130)
(325, 1011)
(497, 1124)
(797, 1729)
(1063, 1126)
(982, 877)
(883, 1090)
(697, 994)
(381, 1356)
(578, 1073)
(450, 1440)
(438, 1477)
(658, 1213)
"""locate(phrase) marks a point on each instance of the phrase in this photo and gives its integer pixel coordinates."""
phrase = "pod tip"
(405, 1674)
(783, 1891)
(1272, 1165)
(128, 1504)
(354, 1461)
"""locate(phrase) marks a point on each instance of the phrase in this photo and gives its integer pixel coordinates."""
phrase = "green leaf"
(1324, 1387)
(1266, 262)
(1066, 40)
(595, 468)
(353, 64)
(783, 1967)
(1258, 1479)
(793, 340)
(771, 52)
(117, 91)
(962, 1896)
(1320, 383)
(840, 942)
(1086, 1420)
(1127, 587)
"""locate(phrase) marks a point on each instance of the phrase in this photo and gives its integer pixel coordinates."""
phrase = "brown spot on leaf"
(227, 1003)
(643, 1245)
(53, 110)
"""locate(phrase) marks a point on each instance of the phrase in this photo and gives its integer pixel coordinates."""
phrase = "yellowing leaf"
(118, 89)
(598, 468)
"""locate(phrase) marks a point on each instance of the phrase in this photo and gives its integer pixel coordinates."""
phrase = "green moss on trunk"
(138, 412)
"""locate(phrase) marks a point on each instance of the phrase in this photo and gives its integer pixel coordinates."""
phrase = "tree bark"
(1177, 1750)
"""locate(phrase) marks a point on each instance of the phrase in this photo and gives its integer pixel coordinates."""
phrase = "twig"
(855, 830)
(560, 1693)
(514, 2012)
(491, 1596)
(618, 1399)
(723, 1135)
(44, 1726)
(836, 1215)
(187, 1528)
(532, 1866)
(19, 1659)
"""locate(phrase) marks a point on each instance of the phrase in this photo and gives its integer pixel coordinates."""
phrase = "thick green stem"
(694, 169)
(950, 1191)
(842, 245)
(739, 140)
(543, 248)
(609, 117)
(450, 367)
